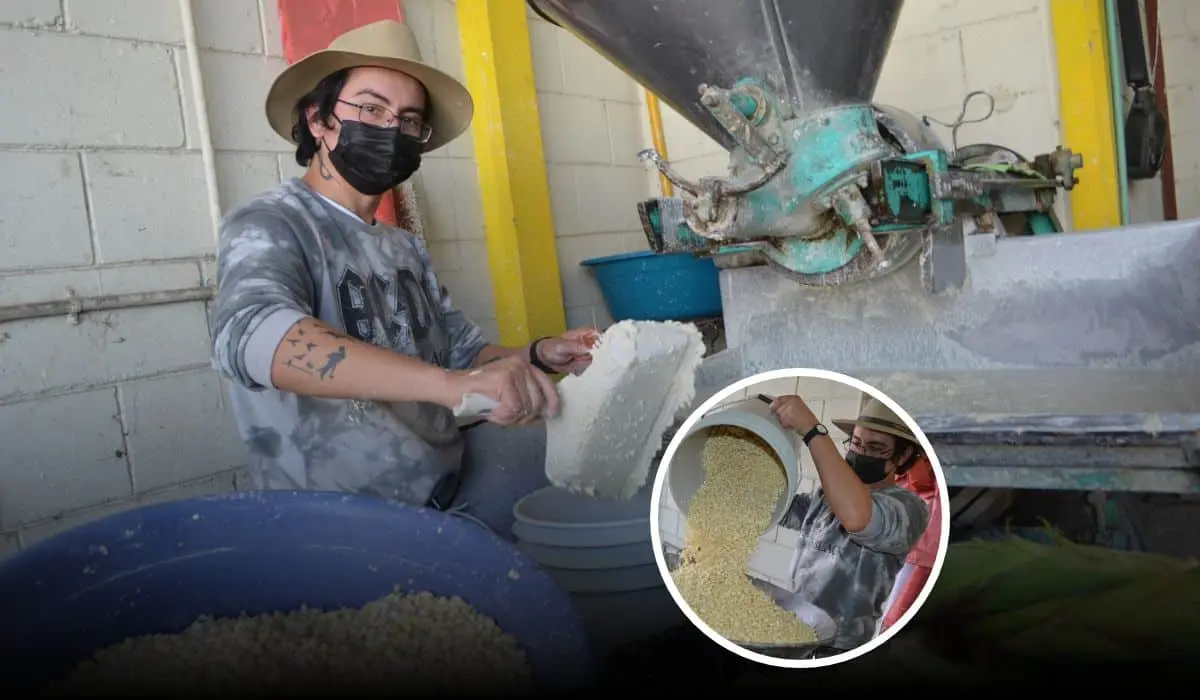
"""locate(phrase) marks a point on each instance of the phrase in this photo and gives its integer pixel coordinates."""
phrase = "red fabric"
(907, 595)
(310, 25)
(921, 480)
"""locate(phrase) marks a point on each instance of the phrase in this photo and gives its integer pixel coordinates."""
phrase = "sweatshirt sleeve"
(264, 286)
(898, 519)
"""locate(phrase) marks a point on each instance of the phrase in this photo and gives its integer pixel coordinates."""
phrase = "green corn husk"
(1031, 603)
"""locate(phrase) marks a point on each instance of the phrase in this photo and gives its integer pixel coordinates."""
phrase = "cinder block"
(33, 287)
(924, 73)
(1178, 18)
(925, 17)
(448, 189)
(34, 184)
(547, 63)
(588, 316)
(1186, 147)
(89, 92)
(608, 198)
(142, 20)
(1183, 100)
(1027, 123)
(1178, 56)
(578, 285)
(211, 485)
(170, 218)
(242, 176)
(44, 473)
(179, 429)
(229, 25)
(574, 129)
(1188, 192)
(588, 74)
(48, 353)
(237, 87)
(445, 256)
(289, 168)
(1029, 69)
(775, 387)
(564, 200)
(685, 141)
(49, 527)
(628, 133)
(272, 31)
(447, 41)
(30, 13)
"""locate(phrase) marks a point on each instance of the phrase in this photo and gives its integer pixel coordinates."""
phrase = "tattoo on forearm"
(303, 349)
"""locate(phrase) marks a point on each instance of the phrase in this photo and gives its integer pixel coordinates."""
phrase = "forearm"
(491, 353)
(314, 359)
(848, 497)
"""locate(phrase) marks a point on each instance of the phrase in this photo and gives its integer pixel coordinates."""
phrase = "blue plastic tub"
(159, 568)
(645, 286)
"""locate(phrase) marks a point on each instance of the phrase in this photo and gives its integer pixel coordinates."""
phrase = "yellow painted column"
(1085, 99)
(512, 170)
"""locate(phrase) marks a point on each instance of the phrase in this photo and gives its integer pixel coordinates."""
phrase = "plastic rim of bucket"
(685, 474)
(556, 517)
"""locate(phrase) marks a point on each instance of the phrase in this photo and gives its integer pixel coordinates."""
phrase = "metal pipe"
(72, 307)
(1116, 75)
(207, 152)
(659, 137)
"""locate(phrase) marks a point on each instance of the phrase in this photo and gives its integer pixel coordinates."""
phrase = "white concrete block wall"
(829, 400)
(1179, 21)
(943, 50)
(594, 122)
(105, 194)
(448, 183)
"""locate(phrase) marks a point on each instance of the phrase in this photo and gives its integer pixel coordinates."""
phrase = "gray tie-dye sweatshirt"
(850, 575)
(291, 253)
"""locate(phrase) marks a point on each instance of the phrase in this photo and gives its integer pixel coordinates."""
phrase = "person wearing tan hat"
(345, 353)
(855, 531)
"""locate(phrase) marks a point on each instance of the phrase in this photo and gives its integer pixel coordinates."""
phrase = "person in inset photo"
(855, 531)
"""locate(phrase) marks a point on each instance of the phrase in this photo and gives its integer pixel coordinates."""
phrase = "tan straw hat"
(874, 415)
(385, 44)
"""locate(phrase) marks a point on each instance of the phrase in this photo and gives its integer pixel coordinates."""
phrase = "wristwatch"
(811, 435)
(537, 361)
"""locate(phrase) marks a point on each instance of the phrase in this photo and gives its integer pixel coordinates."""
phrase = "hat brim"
(847, 425)
(451, 106)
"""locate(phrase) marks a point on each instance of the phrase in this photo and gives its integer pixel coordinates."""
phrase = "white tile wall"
(829, 400)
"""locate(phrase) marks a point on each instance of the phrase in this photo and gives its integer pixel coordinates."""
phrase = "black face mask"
(374, 159)
(870, 470)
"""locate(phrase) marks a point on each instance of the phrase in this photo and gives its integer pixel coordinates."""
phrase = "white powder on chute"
(614, 415)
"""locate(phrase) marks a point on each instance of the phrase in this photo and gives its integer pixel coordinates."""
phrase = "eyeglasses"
(870, 449)
(377, 115)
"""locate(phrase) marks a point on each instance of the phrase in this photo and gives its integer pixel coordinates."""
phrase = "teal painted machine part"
(825, 150)
(793, 219)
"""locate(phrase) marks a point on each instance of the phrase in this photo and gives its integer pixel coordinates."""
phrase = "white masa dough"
(614, 415)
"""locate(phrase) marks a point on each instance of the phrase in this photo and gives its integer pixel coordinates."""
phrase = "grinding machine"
(850, 237)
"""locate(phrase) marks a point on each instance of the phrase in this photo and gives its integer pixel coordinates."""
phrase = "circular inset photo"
(796, 518)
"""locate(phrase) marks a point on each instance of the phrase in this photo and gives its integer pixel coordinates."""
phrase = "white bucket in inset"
(685, 473)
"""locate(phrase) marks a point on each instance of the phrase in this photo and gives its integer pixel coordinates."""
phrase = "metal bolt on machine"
(851, 238)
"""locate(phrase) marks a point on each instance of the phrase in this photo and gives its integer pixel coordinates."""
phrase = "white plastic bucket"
(685, 473)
